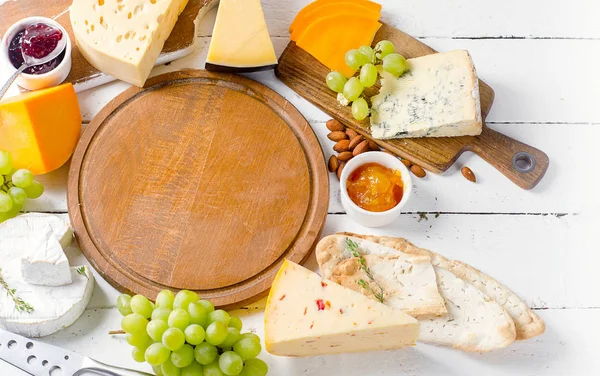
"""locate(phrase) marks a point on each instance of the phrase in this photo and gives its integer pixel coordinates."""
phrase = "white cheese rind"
(124, 39)
(26, 225)
(307, 315)
(47, 265)
(437, 97)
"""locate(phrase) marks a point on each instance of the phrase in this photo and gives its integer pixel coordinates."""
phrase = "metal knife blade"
(38, 358)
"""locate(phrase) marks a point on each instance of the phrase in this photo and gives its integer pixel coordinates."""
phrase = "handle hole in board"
(12, 344)
(31, 359)
(523, 162)
(55, 371)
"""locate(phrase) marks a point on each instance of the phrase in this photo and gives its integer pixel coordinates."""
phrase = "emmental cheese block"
(307, 315)
(240, 39)
(124, 38)
(437, 97)
(40, 129)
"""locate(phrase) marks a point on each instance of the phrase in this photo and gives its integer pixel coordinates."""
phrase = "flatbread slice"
(527, 323)
(408, 283)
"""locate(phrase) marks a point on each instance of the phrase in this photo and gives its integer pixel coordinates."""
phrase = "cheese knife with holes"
(40, 359)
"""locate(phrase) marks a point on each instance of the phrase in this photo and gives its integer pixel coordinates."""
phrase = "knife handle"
(99, 368)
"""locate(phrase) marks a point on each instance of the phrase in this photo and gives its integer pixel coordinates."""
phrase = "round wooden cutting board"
(201, 181)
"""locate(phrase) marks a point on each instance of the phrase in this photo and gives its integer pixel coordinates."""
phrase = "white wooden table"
(541, 57)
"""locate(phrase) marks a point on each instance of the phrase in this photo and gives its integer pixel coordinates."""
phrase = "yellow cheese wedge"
(41, 128)
(240, 40)
(307, 315)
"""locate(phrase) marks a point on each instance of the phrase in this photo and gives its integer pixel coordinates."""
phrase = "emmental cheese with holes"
(124, 38)
(307, 315)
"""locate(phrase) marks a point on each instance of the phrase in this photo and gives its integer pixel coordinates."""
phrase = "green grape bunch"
(368, 62)
(16, 186)
(183, 335)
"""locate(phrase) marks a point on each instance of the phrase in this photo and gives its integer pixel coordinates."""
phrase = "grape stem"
(120, 331)
(5, 187)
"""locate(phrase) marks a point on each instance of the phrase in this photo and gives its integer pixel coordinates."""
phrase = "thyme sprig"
(20, 304)
(353, 248)
(81, 270)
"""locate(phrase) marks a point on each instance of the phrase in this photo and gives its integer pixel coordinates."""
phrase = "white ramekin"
(35, 81)
(365, 217)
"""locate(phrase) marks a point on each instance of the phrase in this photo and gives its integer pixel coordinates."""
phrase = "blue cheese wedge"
(307, 315)
(437, 97)
(46, 264)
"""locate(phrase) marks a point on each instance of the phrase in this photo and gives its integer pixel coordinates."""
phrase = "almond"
(406, 162)
(341, 146)
(355, 141)
(345, 156)
(337, 136)
(333, 164)
(340, 169)
(418, 171)
(373, 146)
(334, 125)
(361, 148)
(351, 133)
(468, 174)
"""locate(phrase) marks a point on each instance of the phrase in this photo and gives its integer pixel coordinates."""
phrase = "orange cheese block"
(41, 128)
(317, 4)
(328, 39)
(330, 9)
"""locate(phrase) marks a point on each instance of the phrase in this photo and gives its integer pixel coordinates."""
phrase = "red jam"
(38, 41)
(374, 187)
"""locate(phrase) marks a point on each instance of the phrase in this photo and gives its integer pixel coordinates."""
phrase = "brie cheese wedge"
(32, 224)
(47, 265)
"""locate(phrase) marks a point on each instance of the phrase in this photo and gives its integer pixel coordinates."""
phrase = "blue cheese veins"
(437, 97)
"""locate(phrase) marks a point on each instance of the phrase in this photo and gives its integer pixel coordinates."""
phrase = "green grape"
(14, 211)
(394, 64)
(18, 195)
(165, 299)
(5, 163)
(208, 306)
(355, 60)
(219, 315)
(205, 353)
(213, 369)
(134, 323)
(35, 190)
(216, 333)
(141, 340)
(368, 52)
(173, 339)
(179, 318)
(335, 81)
(384, 48)
(235, 322)
(352, 89)
(22, 178)
(233, 335)
(254, 367)
(138, 354)
(123, 304)
(156, 329)
(184, 298)
(198, 314)
(368, 75)
(194, 369)
(360, 109)
(230, 363)
(170, 369)
(6, 202)
(141, 305)
(157, 371)
(156, 354)
(183, 357)
(161, 313)
(247, 348)
(194, 334)
(252, 336)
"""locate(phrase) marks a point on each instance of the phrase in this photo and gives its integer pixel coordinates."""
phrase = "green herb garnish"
(81, 270)
(20, 304)
(353, 248)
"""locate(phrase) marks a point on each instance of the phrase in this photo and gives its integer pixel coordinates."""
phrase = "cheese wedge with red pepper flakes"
(307, 316)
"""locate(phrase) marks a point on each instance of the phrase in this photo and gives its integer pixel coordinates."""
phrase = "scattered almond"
(361, 148)
(345, 156)
(468, 174)
(351, 133)
(418, 171)
(355, 141)
(333, 164)
(341, 146)
(337, 136)
(334, 125)
(406, 162)
(373, 146)
(339, 170)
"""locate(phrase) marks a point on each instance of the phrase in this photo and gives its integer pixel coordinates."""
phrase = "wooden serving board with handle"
(521, 163)
(83, 75)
